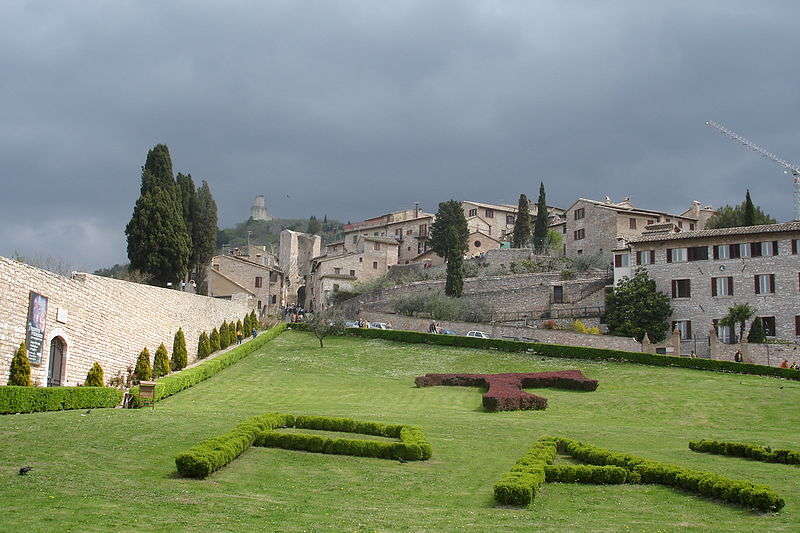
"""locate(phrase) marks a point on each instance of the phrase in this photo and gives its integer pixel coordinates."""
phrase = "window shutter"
(617, 260)
(730, 286)
(794, 246)
(669, 255)
(638, 258)
(772, 283)
(797, 325)
(755, 249)
(756, 283)
(652, 257)
(713, 286)
(734, 251)
(690, 254)
(716, 252)
(674, 288)
(688, 329)
(774, 247)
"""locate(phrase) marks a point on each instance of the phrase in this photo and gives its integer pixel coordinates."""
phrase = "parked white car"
(378, 325)
(479, 334)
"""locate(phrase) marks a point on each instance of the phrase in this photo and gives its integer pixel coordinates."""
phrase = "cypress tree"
(180, 357)
(224, 335)
(541, 223)
(20, 371)
(204, 234)
(454, 285)
(449, 235)
(314, 227)
(158, 169)
(161, 362)
(203, 346)
(522, 225)
(143, 370)
(213, 341)
(232, 329)
(188, 199)
(254, 319)
(749, 212)
(95, 376)
(247, 326)
(757, 332)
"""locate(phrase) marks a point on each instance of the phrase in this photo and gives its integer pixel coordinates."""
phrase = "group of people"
(433, 328)
(793, 366)
(294, 313)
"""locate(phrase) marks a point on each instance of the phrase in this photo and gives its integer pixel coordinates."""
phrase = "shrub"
(20, 371)
(599, 475)
(231, 333)
(253, 319)
(567, 274)
(505, 390)
(184, 379)
(409, 304)
(214, 341)
(747, 450)
(161, 362)
(224, 336)
(203, 346)
(575, 352)
(180, 357)
(549, 324)
(14, 399)
(143, 370)
(239, 329)
(757, 332)
(519, 486)
(94, 378)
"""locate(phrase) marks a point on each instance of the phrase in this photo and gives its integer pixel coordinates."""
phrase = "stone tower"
(259, 209)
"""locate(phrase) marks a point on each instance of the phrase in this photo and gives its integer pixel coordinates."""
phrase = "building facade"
(230, 274)
(295, 254)
(706, 272)
(410, 228)
(497, 220)
(258, 211)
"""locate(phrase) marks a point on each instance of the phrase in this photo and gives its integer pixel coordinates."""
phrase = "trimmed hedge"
(598, 475)
(412, 445)
(519, 486)
(174, 383)
(747, 450)
(212, 454)
(706, 484)
(505, 390)
(15, 399)
(573, 352)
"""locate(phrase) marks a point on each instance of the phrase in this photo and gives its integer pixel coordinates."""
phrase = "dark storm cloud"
(356, 108)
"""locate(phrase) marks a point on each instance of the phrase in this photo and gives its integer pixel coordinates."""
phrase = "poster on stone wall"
(37, 313)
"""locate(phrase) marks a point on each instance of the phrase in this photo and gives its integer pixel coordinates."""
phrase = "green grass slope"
(113, 469)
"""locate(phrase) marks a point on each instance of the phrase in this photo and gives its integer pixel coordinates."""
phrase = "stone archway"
(301, 296)
(57, 362)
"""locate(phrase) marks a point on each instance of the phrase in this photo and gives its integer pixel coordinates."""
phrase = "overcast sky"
(352, 109)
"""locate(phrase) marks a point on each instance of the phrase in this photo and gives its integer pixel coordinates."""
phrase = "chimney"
(416, 209)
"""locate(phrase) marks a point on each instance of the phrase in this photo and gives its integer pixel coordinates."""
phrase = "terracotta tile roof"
(721, 232)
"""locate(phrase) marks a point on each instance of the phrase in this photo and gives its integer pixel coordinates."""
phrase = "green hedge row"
(598, 475)
(214, 453)
(174, 383)
(706, 484)
(747, 450)
(412, 446)
(36, 399)
(519, 486)
(575, 352)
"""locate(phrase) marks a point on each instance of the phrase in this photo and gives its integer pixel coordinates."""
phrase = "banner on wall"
(34, 338)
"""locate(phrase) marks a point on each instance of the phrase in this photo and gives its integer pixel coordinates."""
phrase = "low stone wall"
(102, 319)
(568, 338)
(760, 354)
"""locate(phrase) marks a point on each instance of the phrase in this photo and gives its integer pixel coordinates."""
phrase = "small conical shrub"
(757, 332)
(224, 336)
(161, 362)
(213, 340)
(95, 376)
(143, 370)
(20, 373)
(253, 319)
(232, 332)
(180, 357)
(203, 346)
(246, 329)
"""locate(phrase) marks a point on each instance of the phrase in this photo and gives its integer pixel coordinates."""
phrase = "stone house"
(706, 272)
(231, 274)
(478, 243)
(295, 254)
(339, 269)
(497, 220)
(594, 227)
(409, 228)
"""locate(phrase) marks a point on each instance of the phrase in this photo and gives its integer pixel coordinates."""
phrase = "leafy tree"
(203, 346)
(757, 332)
(314, 227)
(20, 371)
(738, 314)
(449, 235)
(522, 225)
(213, 341)
(204, 234)
(744, 214)
(224, 335)
(541, 224)
(635, 307)
(325, 324)
(180, 357)
(143, 370)
(161, 362)
(555, 241)
(95, 376)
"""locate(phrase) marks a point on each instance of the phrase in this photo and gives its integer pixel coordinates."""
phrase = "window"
(477, 244)
(724, 333)
(564, 229)
(335, 287)
(579, 234)
(697, 253)
(649, 222)
(632, 223)
(647, 257)
(399, 231)
(360, 259)
(681, 288)
(676, 255)
(622, 260)
(273, 277)
(797, 325)
(722, 251)
(768, 248)
(691, 226)
(509, 219)
(337, 270)
(490, 213)
(409, 232)
(744, 250)
(473, 213)
(769, 325)
(764, 283)
(375, 265)
(684, 327)
(274, 299)
(376, 246)
(259, 304)
(215, 266)
(353, 273)
(558, 294)
(580, 252)
(722, 286)
(580, 213)
(355, 239)
(258, 282)
(423, 231)
(795, 246)
(680, 224)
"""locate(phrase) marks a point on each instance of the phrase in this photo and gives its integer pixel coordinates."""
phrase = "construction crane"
(789, 167)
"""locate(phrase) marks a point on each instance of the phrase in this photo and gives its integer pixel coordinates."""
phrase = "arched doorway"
(301, 296)
(55, 369)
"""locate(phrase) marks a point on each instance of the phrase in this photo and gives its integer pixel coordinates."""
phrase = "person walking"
(239, 336)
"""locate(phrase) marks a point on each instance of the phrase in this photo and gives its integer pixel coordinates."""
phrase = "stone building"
(295, 254)
(594, 227)
(79, 320)
(410, 228)
(478, 243)
(258, 211)
(706, 272)
(339, 269)
(497, 220)
(254, 275)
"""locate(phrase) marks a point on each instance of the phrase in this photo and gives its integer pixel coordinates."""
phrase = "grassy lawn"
(114, 469)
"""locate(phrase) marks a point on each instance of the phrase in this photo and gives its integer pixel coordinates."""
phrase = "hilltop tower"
(259, 209)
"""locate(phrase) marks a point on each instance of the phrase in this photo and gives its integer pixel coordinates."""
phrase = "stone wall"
(102, 319)
(568, 338)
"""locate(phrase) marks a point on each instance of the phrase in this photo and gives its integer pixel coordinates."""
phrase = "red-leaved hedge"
(505, 390)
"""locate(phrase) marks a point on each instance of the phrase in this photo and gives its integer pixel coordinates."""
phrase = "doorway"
(55, 370)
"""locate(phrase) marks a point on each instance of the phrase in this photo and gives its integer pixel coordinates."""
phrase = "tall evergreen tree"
(314, 227)
(224, 335)
(95, 378)
(161, 362)
(749, 211)
(744, 214)
(522, 225)
(143, 370)
(180, 356)
(213, 341)
(542, 222)
(157, 169)
(188, 198)
(20, 371)
(204, 234)
(449, 235)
